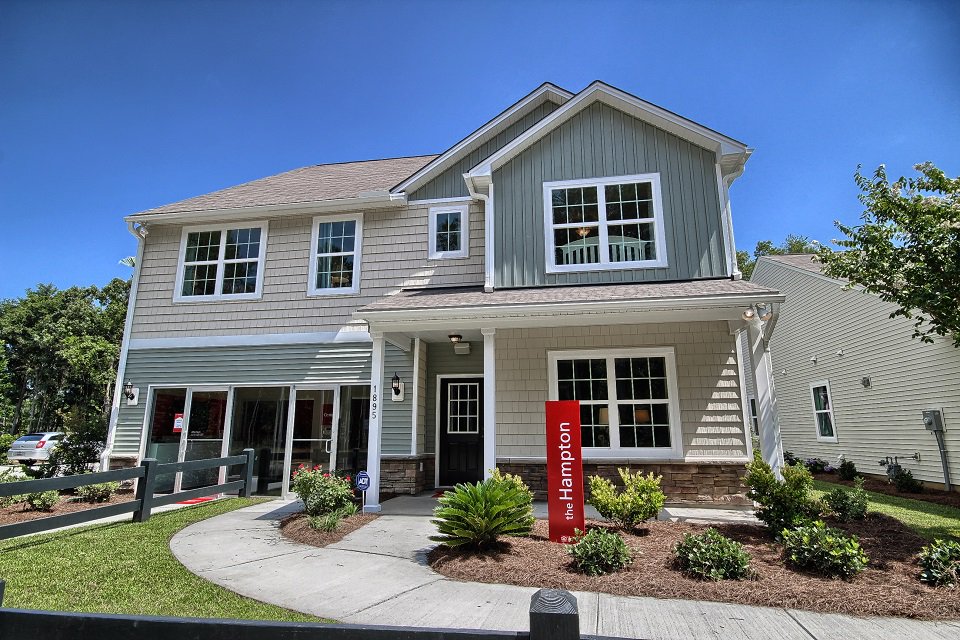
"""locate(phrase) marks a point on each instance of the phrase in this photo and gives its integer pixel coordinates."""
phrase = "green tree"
(907, 249)
(792, 244)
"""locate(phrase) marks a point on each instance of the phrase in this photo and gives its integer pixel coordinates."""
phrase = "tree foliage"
(907, 249)
(791, 244)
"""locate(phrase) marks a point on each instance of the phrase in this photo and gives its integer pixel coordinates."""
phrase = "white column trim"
(771, 446)
(376, 420)
(415, 397)
(489, 401)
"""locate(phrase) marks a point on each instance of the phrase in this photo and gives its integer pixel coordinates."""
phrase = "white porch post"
(489, 401)
(771, 447)
(376, 411)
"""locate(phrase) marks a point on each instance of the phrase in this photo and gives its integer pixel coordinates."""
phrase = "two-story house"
(410, 316)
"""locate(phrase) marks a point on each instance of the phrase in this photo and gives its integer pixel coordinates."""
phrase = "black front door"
(461, 430)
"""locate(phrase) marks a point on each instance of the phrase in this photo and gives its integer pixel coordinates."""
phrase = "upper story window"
(221, 262)
(335, 255)
(823, 411)
(628, 399)
(449, 232)
(600, 224)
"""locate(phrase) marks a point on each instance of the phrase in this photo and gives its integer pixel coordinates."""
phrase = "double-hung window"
(823, 411)
(628, 399)
(449, 232)
(335, 255)
(221, 262)
(602, 224)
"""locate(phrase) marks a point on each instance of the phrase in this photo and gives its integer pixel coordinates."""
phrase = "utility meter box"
(933, 419)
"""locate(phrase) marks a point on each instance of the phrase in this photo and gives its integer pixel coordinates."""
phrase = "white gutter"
(488, 236)
(140, 233)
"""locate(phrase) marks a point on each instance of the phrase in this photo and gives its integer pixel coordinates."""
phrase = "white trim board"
(326, 337)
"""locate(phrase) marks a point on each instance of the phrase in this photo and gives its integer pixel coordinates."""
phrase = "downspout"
(140, 233)
(488, 248)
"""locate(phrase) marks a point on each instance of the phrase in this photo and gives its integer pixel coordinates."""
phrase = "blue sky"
(108, 108)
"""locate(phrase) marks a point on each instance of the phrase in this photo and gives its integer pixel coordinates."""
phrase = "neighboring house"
(574, 247)
(851, 381)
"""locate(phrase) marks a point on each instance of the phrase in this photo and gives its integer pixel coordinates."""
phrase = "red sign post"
(564, 470)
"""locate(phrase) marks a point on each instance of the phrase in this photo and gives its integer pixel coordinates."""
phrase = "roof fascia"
(546, 91)
(723, 146)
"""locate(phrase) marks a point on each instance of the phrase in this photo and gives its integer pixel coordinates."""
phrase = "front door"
(461, 430)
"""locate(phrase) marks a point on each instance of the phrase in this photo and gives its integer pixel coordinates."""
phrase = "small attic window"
(449, 229)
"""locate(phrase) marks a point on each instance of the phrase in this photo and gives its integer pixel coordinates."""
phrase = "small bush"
(641, 498)
(43, 501)
(599, 551)
(6, 441)
(816, 465)
(99, 492)
(784, 503)
(830, 552)
(9, 475)
(321, 492)
(788, 457)
(904, 481)
(847, 470)
(712, 556)
(514, 480)
(327, 522)
(940, 563)
(848, 505)
(476, 515)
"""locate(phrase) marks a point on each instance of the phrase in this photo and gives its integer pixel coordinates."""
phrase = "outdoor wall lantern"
(397, 385)
(128, 390)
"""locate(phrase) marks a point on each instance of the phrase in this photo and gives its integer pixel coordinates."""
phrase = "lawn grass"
(928, 519)
(124, 568)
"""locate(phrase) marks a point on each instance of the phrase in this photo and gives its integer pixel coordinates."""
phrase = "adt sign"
(363, 481)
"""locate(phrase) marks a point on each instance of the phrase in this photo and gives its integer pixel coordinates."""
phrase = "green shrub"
(848, 505)
(904, 481)
(783, 503)
(940, 563)
(516, 481)
(99, 492)
(6, 440)
(599, 551)
(847, 470)
(641, 498)
(831, 552)
(9, 475)
(321, 492)
(476, 515)
(86, 437)
(816, 465)
(43, 501)
(788, 457)
(327, 522)
(712, 556)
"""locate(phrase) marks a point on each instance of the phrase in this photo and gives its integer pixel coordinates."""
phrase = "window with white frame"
(463, 407)
(599, 224)
(449, 229)
(221, 262)
(335, 255)
(628, 398)
(823, 411)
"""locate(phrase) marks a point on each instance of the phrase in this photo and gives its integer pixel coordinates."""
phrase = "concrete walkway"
(378, 575)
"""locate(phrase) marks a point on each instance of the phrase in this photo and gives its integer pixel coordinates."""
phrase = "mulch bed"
(880, 485)
(889, 587)
(20, 512)
(297, 528)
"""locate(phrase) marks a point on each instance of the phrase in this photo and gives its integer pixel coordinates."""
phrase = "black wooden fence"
(143, 503)
(553, 616)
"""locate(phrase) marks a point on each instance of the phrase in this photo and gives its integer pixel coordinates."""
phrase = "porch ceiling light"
(748, 314)
(396, 385)
(128, 390)
(455, 338)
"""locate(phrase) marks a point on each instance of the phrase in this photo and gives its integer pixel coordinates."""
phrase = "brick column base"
(406, 474)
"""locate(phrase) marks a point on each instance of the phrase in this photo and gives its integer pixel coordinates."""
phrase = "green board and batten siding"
(344, 363)
(597, 142)
(450, 184)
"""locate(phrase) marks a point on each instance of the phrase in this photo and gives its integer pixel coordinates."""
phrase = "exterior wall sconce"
(397, 385)
(813, 359)
(131, 393)
(764, 311)
(866, 382)
(455, 338)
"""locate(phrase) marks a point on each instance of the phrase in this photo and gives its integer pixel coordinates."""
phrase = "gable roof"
(732, 154)
(546, 91)
(805, 261)
(308, 185)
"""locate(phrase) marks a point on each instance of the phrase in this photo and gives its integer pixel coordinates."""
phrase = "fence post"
(3, 586)
(554, 615)
(145, 489)
(247, 475)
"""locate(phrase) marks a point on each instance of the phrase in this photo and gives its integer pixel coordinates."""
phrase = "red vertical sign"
(564, 470)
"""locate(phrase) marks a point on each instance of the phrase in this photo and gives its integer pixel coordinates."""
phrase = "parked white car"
(34, 447)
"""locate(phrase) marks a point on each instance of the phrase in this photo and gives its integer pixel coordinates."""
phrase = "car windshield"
(31, 437)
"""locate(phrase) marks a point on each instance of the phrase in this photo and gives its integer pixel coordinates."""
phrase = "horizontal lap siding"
(397, 416)
(394, 256)
(710, 409)
(819, 319)
(597, 142)
(443, 361)
(450, 184)
(234, 365)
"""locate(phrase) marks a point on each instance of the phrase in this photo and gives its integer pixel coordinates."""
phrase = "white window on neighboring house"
(823, 411)
(449, 229)
(628, 399)
(335, 255)
(602, 224)
(223, 262)
(754, 419)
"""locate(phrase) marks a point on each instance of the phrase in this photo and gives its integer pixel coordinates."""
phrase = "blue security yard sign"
(363, 481)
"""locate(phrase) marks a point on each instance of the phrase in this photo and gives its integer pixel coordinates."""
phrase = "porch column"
(373, 438)
(489, 401)
(761, 368)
